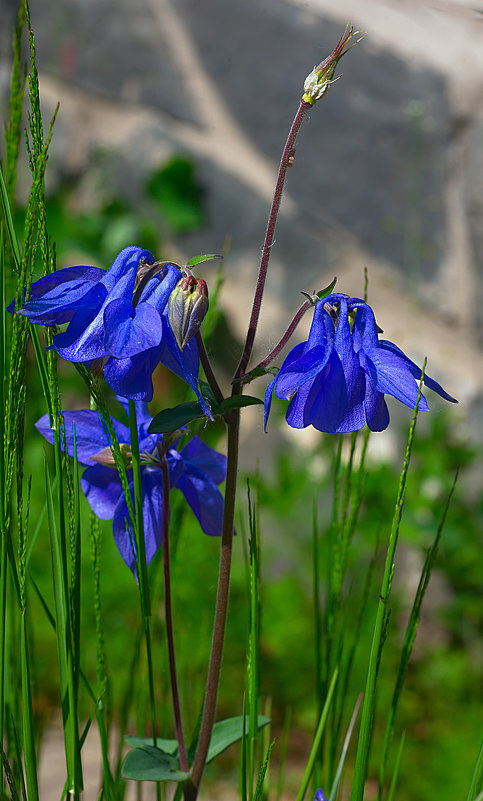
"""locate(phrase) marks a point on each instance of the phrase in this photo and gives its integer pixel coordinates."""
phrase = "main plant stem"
(233, 426)
(211, 693)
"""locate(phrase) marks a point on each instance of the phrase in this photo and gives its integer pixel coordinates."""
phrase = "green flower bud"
(321, 77)
(187, 306)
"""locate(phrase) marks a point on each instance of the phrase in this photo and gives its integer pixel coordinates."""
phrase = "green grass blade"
(9, 775)
(410, 636)
(263, 772)
(345, 748)
(9, 224)
(30, 757)
(63, 628)
(477, 779)
(317, 738)
(392, 788)
(244, 755)
(253, 657)
(365, 734)
(283, 754)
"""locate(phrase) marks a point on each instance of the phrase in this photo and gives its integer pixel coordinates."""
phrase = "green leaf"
(229, 731)
(328, 289)
(171, 419)
(152, 765)
(208, 393)
(199, 259)
(238, 401)
(147, 763)
(168, 746)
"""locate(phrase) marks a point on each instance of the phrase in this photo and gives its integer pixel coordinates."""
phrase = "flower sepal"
(106, 456)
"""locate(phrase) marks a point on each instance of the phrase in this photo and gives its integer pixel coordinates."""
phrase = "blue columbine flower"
(336, 381)
(117, 320)
(195, 470)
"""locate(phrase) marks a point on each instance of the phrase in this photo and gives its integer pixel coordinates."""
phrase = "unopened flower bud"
(187, 306)
(106, 456)
(321, 77)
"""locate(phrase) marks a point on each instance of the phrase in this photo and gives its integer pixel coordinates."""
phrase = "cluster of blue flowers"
(117, 321)
(118, 324)
(196, 470)
(337, 379)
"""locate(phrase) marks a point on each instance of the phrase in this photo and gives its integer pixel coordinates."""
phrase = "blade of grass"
(253, 658)
(410, 636)
(262, 772)
(30, 758)
(283, 754)
(477, 779)
(365, 734)
(345, 748)
(397, 765)
(63, 629)
(317, 738)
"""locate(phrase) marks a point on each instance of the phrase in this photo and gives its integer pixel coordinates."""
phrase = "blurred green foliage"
(438, 707)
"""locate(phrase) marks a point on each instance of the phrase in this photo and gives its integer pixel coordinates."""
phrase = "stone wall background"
(389, 168)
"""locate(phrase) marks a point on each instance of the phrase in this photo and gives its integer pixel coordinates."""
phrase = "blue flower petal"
(133, 377)
(301, 370)
(84, 338)
(55, 298)
(205, 459)
(336, 402)
(298, 412)
(377, 413)
(416, 371)
(130, 331)
(391, 376)
(90, 434)
(103, 489)
(184, 363)
(322, 329)
(204, 497)
(268, 401)
(152, 488)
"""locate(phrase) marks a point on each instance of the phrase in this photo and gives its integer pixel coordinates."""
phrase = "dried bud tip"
(187, 306)
(322, 76)
(106, 456)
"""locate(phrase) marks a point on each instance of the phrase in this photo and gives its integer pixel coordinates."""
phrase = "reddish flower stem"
(210, 376)
(183, 760)
(267, 245)
(211, 693)
(285, 338)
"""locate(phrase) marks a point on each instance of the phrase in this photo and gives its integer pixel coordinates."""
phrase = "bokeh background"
(173, 114)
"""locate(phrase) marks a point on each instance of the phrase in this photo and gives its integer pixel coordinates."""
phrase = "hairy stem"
(211, 693)
(269, 234)
(210, 376)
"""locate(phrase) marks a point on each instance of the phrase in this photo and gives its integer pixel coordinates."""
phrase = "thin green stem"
(140, 555)
(168, 611)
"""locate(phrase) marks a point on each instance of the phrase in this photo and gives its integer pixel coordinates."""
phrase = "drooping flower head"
(336, 381)
(117, 320)
(195, 470)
